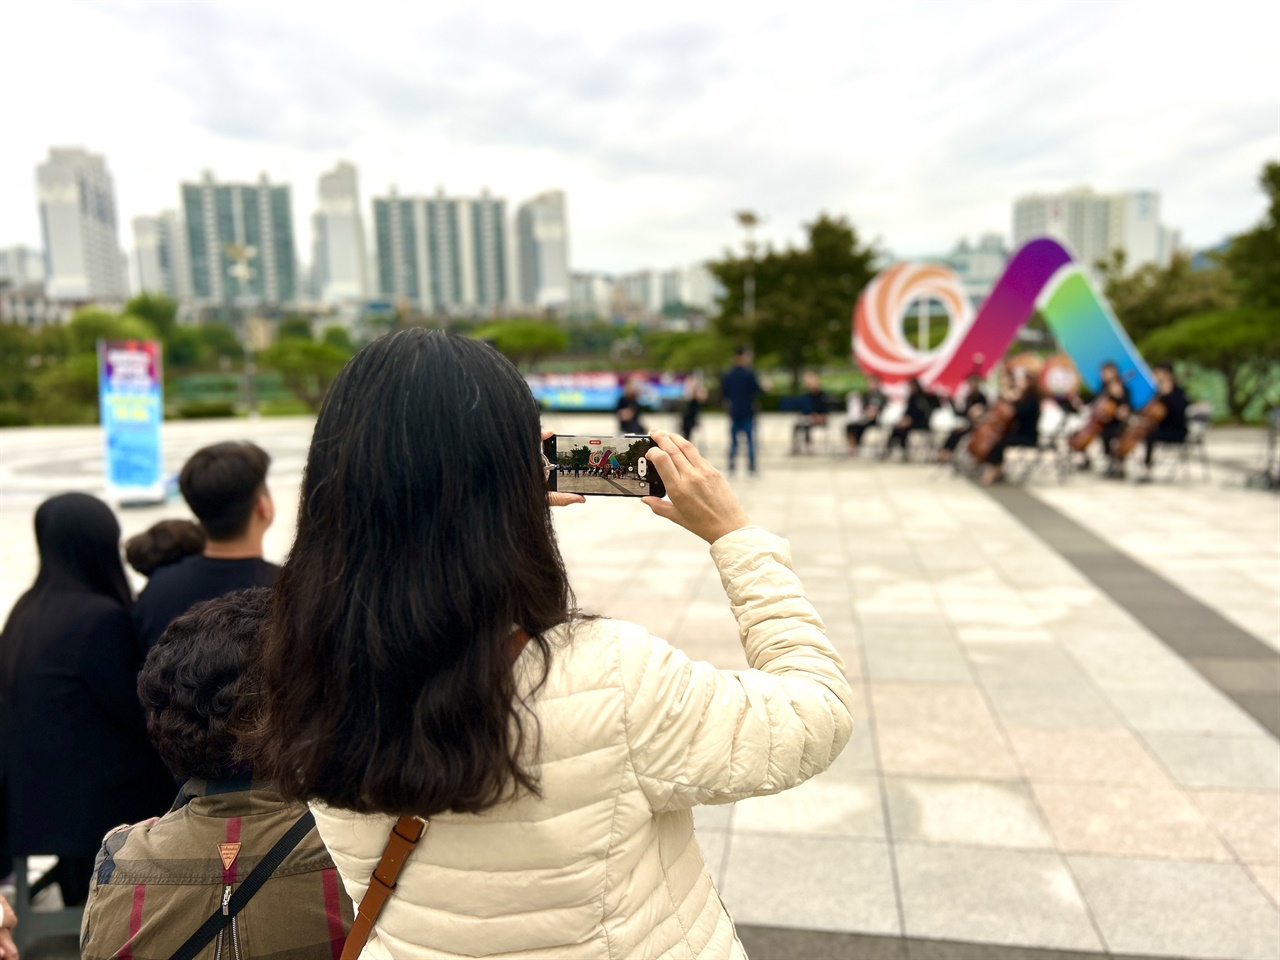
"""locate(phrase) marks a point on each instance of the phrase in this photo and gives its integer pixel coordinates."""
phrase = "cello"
(1101, 413)
(1140, 427)
(994, 426)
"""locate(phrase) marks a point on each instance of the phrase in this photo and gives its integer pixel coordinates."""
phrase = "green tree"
(1242, 345)
(338, 337)
(524, 341)
(804, 296)
(294, 327)
(157, 310)
(1253, 258)
(88, 325)
(67, 392)
(306, 366)
(1151, 296)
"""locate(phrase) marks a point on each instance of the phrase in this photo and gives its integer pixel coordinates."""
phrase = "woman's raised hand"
(561, 499)
(699, 497)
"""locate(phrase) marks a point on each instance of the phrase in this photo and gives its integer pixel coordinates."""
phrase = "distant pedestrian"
(76, 757)
(629, 409)
(695, 395)
(225, 485)
(740, 388)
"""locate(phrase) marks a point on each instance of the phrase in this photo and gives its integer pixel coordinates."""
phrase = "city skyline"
(919, 122)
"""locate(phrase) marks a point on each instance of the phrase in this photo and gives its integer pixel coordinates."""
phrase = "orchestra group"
(987, 426)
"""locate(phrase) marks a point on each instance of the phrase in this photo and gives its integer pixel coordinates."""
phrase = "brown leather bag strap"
(404, 837)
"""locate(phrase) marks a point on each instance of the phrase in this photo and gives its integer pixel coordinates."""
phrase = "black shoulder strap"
(251, 885)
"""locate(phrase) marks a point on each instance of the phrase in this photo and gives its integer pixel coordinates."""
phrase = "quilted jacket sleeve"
(702, 735)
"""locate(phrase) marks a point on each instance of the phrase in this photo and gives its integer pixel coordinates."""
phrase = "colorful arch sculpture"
(1041, 275)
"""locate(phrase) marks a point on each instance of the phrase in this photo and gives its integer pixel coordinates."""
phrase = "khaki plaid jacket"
(156, 882)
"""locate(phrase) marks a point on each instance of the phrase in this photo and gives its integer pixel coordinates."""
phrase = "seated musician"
(1024, 394)
(1115, 390)
(1173, 428)
(920, 407)
(813, 413)
(969, 411)
(864, 410)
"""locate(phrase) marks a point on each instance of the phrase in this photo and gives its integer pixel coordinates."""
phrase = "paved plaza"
(1068, 692)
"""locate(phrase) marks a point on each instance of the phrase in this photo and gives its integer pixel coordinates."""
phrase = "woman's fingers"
(670, 446)
(661, 461)
(564, 499)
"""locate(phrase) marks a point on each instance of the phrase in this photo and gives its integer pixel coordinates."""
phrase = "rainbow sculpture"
(1042, 276)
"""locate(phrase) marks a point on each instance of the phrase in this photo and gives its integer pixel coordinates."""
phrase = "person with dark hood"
(77, 758)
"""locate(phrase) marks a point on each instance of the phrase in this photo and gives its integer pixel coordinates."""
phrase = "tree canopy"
(524, 341)
(804, 297)
(1152, 296)
(1242, 345)
(1253, 258)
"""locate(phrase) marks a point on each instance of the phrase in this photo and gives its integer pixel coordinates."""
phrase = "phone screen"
(602, 466)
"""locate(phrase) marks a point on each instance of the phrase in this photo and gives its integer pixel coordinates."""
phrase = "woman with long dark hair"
(424, 657)
(76, 754)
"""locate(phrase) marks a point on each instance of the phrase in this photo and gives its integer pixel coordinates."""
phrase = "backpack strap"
(252, 884)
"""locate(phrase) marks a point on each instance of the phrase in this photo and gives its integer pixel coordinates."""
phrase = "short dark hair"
(194, 683)
(741, 350)
(221, 483)
(1166, 367)
(424, 536)
(163, 543)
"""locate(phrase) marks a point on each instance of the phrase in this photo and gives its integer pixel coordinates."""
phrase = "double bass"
(1140, 427)
(1101, 412)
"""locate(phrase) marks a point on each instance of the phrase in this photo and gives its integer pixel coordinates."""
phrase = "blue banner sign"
(131, 408)
(600, 390)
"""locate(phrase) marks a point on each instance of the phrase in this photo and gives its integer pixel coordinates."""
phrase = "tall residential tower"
(240, 241)
(1095, 225)
(339, 262)
(78, 220)
(542, 233)
(443, 254)
(160, 249)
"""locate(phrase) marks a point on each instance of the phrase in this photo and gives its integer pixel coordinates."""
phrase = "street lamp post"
(749, 220)
(242, 272)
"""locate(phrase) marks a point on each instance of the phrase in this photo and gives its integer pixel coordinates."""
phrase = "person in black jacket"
(225, 485)
(76, 754)
(920, 407)
(969, 413)
(1024, 431)
(1173, 428)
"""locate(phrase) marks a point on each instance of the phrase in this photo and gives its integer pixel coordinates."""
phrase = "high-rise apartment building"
(542, 235)
(339, 261)
(78, 222)
(160, 252)
(443, 254)
(1095, 225)
(979, 265)
(240, 242)
(21, 266)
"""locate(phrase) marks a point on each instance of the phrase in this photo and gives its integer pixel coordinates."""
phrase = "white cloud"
(920, 121)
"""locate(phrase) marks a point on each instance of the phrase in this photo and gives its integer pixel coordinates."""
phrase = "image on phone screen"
(602, 466)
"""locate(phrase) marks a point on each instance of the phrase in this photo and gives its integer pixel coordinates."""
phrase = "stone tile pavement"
(1033, 770)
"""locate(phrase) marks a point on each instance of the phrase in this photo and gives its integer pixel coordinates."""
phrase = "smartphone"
(602, 466)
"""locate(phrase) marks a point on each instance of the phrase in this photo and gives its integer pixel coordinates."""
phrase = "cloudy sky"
(919, 121)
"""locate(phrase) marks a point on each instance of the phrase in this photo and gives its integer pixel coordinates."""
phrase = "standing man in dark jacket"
(740, 389)
(225, 485)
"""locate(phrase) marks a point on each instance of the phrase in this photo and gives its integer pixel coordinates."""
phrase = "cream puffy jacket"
(633, 734)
